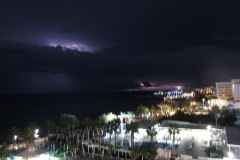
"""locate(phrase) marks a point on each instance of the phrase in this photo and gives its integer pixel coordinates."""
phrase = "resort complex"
(119, 80)
(197, 124)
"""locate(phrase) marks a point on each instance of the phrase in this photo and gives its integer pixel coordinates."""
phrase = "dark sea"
(20, 110)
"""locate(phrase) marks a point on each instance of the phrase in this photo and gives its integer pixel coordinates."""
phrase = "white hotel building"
(228, 92)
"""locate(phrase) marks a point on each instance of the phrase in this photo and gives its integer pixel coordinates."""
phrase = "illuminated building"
(229, 91)
(224, 90)
(207, 91)
(236, 89)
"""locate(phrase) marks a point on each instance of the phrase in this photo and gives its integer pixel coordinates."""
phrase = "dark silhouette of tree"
(215, 112)
(173, 130)
(4, 152)
(28, 137)
(133, 128)
(151, 131)
(13, 132)
(87, 122)
(49, 125)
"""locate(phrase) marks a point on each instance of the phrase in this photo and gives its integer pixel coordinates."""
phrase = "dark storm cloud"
(137, 43)
(27, 68)
(155, 25)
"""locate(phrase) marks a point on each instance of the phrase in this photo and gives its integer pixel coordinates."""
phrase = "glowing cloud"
(72, 46)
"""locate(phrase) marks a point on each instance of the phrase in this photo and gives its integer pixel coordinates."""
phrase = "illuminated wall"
(228, 90)
(224, 90)
(236, 89)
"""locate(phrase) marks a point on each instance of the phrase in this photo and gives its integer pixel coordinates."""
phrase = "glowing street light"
(36, 133)
(203, 101)
(15, 137)
(209, 104)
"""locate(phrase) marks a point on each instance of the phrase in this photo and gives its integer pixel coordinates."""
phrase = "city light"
(36, 133)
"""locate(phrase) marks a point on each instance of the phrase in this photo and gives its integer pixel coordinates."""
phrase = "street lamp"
(36, 133)
(203, 101)
(209, 104)
(15, 138)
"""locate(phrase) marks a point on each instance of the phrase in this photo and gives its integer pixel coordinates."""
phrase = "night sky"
(60, 46)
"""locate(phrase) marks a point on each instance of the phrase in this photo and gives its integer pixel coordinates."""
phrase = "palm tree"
(99, 124)
(135, 151)
(103, 121)
(140, 110)
(63, 123)
(72, 147)
(49, 125)
(66, 119)
(13, 132)
(158, 111)
(110, 128)
(173, 130)
(144, 151)
(133, 128)
(116, 125)
(165, 107)
(215, 112)
(151, 131)
(27, 136)
(87, 122)
(74, 122)
(56, 122)
(149, 152)
(4, 152)
(152, 109)
(146, 109)
(152, 152)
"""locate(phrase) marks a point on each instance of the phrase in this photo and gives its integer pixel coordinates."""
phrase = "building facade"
(236, 89)
(229, 91)
(224, 90)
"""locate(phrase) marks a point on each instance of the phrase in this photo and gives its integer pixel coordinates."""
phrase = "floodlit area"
(192, 142)
(39, 157)
(191, 139)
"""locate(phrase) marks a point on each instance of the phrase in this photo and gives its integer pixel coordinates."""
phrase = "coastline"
(21, 110)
